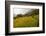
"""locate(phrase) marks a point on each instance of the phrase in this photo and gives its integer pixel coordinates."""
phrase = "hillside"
(30, 21)
(34, 12)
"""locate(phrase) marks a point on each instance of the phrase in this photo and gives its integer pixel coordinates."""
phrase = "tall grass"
(27, 21)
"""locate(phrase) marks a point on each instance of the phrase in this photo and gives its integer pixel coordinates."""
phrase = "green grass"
(27, 21)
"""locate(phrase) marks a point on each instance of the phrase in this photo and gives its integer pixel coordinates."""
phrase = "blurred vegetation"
(30, 19)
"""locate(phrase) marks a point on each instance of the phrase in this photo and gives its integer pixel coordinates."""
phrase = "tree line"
(34, 12)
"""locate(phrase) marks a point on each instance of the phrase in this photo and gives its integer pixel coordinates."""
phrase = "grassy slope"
(30, 21)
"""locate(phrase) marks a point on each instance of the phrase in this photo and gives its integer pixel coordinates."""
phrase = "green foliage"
(35, 12)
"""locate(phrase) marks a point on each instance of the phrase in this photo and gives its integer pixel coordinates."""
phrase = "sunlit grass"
(27, 21)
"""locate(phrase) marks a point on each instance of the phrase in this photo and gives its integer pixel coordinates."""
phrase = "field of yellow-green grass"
(27, 21)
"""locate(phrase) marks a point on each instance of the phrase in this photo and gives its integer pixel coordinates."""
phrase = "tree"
(19, 15)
